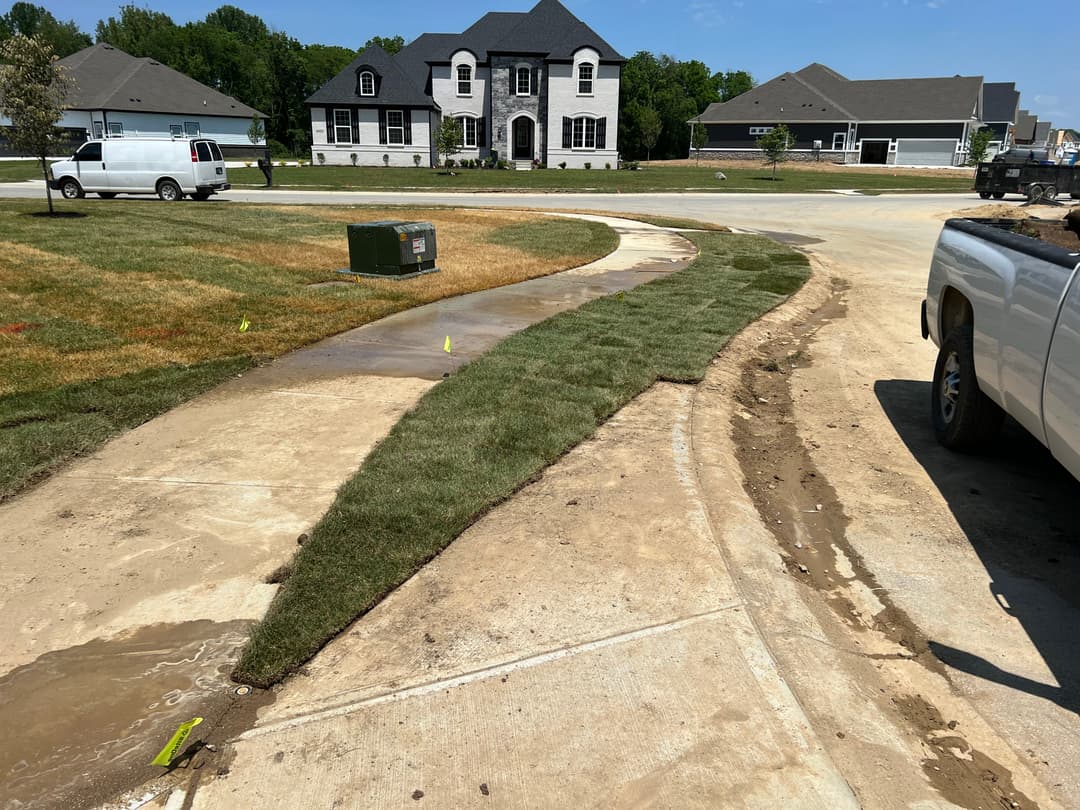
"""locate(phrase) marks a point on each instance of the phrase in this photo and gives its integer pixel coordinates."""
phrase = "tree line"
(238, 54)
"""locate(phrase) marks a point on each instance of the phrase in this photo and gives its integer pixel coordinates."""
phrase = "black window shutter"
(567, 131)
(601, 133)
(513, 81)
(382, 125)
(534, 85)
(407, 117)
(354, 117)
(481, 134)
(378, 81)
(329, 125)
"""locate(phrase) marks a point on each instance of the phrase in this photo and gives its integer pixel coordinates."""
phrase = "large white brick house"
(538, 85)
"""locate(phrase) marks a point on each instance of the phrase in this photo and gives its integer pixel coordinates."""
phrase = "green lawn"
(655, 178)
(14, 171)
(112, 317)
(478, 437)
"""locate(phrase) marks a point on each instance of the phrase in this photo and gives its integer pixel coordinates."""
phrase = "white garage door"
(925, 153)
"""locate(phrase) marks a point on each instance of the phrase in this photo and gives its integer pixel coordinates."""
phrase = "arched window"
(585, 79)
(523, 84)
(367, 83)
(464, 80)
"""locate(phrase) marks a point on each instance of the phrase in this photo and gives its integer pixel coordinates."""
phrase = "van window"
(90, 151)
(215, 151)
(202, 149)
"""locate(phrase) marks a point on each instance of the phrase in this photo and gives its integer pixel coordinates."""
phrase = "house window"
(175, 130)
(468, 132)
(99, 129)
(524, 75)
(395, 128)
(116, 130)
(584, 79)
(760, 130)
(191, 129)
(584, 133)
(342, 126)
(464, 80)
(838, 140)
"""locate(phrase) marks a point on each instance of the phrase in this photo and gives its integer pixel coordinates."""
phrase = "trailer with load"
(1031, 179)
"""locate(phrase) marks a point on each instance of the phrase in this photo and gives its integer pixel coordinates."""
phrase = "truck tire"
(964, 418)
(169, 191)
(70, 189)
(999, 195)
(1050, 192)
(1034, 192)
(984, 195)
(201, 196)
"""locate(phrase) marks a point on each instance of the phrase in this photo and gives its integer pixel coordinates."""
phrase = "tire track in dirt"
(806, 518)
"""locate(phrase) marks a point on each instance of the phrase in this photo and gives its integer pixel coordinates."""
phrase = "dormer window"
(367, 83)
(464, 80)
(585, 79)
(524, 81)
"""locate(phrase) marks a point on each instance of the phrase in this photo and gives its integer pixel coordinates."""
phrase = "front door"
(523, 139)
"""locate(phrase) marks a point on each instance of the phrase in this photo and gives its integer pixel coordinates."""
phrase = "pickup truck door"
(1061, 392)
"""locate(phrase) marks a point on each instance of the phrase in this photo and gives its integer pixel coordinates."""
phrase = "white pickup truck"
(1004, 310)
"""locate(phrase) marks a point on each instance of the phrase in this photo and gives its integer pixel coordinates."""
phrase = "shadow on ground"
(1020, 510)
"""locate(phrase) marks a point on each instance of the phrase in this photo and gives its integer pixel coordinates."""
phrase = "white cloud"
(705, 13)
(1050, 100)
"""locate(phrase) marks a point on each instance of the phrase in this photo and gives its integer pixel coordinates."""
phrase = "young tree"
(448, 138)
(775, 144)
(257, 131)
(699, 136)
(979, 146)
(32, 92)
(650, 126)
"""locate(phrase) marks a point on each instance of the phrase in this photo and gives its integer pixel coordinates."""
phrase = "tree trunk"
(48, 188)
(774, 170)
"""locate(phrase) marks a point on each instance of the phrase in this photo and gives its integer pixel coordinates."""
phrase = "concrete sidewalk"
(156, 548)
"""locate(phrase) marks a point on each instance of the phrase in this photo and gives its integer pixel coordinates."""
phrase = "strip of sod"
(478, 437)
(41, 430)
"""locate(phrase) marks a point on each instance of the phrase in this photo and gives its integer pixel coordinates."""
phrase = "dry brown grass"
(125, 303)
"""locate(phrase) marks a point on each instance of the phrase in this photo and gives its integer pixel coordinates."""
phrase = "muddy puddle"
(82, 725)
(804, 513)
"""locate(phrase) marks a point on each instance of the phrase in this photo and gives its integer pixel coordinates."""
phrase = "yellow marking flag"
(446, 345)
(244, 324)
(172, 748)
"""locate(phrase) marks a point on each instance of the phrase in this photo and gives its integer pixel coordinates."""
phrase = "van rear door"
(208, 165)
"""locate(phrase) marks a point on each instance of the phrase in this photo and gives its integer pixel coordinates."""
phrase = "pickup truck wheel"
(999, 195)
(71, 190)
(169, 191)
(964, 417)
(985, 195)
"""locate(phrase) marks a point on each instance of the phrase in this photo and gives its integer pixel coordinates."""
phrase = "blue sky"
(1026, 43)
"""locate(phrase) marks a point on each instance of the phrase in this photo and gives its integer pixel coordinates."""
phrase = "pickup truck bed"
(1004, 309)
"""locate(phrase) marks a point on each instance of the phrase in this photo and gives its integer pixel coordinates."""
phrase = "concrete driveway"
(631, 631)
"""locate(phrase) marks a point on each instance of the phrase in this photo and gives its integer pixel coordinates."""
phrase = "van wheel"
(106, 195)
(201, 196)
(964, 418)
(169, 191)
(71, 190)
(999, 195)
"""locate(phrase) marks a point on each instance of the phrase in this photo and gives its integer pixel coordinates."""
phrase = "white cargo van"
(168, 167)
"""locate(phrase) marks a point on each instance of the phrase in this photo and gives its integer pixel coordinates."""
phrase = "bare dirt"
(806, 517)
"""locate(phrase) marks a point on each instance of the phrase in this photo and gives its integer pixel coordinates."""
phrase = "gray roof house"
(882, 121)
(117, 94)
(532, 87)
(1001, 107)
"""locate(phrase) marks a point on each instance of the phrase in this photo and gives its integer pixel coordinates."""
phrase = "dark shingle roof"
(395, 86)
(1042, 131)
(817, 93)
(550, 29)
(1001, 101)
(1025, 126)
(106, 78)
